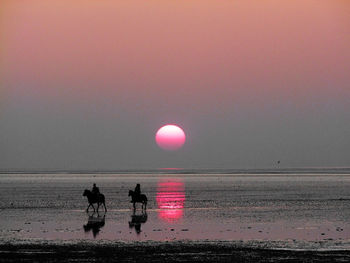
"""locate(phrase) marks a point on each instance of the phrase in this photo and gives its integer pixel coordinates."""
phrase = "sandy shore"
(161, 252)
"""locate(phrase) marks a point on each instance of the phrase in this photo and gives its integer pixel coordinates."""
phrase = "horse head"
(131, 193)
(86, 192)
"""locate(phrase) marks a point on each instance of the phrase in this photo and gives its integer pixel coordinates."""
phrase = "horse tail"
(103, 201)
(104, 204)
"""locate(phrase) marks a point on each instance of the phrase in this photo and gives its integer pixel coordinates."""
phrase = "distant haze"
(86, 84)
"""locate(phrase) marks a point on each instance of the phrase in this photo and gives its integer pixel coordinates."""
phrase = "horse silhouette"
(95, 223)
(138, 199)
(137, 220)
(93, 199)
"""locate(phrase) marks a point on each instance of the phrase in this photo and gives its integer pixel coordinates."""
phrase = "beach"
(204, 217)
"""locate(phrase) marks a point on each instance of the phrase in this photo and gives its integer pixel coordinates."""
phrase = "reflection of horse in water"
(138, 199)
(137, 220)
(95, 223)
(93, 199)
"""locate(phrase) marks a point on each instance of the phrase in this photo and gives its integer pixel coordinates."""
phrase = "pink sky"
(231, 49)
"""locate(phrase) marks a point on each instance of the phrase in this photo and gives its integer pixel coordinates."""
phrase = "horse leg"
(87, 209)
(134, 206)
(98, 206)
(93, 207)
(104, 205)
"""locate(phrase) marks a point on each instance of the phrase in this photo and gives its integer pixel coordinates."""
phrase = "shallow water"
(269, 208)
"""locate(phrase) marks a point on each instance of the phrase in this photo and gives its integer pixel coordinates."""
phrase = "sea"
(273, 208)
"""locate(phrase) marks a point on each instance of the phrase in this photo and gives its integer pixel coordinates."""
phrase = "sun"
(170, 137)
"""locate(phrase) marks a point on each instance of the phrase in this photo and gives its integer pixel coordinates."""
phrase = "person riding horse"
(95, 190)
(94, 196)
(137, 197)
(137, 192)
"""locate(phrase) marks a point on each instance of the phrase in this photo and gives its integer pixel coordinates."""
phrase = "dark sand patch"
(161, 252)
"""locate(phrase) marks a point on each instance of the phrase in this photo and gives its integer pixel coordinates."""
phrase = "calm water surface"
(293, 208)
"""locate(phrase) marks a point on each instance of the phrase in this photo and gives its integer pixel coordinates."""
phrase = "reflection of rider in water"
(137, 221)
(137, 191)
(95, 190)
(95, 223)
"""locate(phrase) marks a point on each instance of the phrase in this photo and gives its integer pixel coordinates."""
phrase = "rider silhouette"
(137, 191)
(95, 190)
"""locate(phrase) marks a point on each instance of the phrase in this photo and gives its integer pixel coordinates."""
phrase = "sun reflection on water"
(170, 199)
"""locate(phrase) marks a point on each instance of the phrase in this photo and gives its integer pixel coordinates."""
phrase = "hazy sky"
(85, 84)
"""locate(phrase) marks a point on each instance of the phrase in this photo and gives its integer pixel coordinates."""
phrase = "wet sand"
(162, 252)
